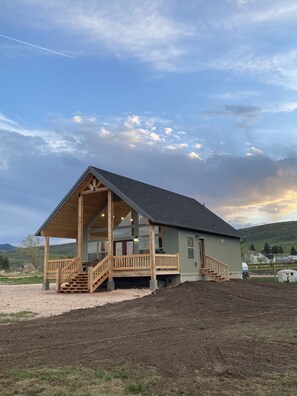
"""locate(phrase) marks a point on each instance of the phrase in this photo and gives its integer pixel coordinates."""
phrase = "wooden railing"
(217, 266)
(64, 274)
(53, 265)
(133, 262)
(97, 272)
(143, 262)
(167, 261)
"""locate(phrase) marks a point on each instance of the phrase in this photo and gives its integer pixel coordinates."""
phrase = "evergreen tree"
(252, 248)
(274, 249)
(293, 251)
(280, 250)
(266, 249)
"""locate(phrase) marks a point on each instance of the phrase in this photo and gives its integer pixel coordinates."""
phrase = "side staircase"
(216, 270)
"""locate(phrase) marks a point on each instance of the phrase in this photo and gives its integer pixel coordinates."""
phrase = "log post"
(45, 285)
(58, 279)
(90, 279)
(110, 283)
(153, 281)
(80, 228)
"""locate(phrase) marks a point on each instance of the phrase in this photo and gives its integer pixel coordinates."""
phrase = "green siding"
(170, 240)
(188, 266)
(222, 248)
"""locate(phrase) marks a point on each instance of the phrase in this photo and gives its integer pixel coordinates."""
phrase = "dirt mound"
(238, 329)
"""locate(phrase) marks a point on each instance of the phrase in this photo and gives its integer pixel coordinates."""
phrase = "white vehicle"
(245, 270)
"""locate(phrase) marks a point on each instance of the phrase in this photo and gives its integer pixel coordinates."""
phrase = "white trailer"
(287, 275)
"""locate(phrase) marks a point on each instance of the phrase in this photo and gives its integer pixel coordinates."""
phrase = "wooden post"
(90, 279)
(274, 273)
(45, 263)
(110, 235)
(58, 279)
(80, 228)
(153, 282)
(178, 262)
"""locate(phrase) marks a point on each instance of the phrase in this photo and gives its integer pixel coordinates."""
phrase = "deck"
(139, 265)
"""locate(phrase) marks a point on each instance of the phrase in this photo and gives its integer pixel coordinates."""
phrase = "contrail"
(36, 46)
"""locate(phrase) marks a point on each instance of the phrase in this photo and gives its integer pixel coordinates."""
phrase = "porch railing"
(167, 261)
(66, 273)
(143, 262)
(217, 266)
(53, 265)
(133, 262)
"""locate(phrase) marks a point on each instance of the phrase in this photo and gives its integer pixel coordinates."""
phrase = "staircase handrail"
(218, 266)
(70, 269)
(97, 272)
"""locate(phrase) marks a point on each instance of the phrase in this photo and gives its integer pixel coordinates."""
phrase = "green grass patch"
(265, 279)
(12, 317)
(21, 280)
(79, 381)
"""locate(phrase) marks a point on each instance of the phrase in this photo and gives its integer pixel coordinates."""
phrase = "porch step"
(214, 276)
(78, 284)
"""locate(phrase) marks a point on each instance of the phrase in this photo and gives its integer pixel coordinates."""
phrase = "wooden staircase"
(216, 270)
(78, 284)
(213, 275)
(71, 279)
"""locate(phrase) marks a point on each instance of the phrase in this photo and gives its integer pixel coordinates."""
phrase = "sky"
(192, 96)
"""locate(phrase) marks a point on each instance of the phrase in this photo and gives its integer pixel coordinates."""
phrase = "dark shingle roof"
(159, 205)
(165, 207)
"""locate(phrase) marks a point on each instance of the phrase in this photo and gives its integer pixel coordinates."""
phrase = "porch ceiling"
(64, 223)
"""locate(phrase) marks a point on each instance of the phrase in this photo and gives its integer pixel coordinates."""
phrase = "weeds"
(12, 317)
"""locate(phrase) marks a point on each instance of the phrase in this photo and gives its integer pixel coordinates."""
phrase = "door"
(202, 253)
(123, 248)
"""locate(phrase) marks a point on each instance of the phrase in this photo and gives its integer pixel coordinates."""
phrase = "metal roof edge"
(198, 229)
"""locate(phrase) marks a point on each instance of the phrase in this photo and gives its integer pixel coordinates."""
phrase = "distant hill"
(18, 256)
(282, 234)
(6, 247)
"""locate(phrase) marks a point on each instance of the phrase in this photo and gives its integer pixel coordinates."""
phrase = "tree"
(4, 263)
(266, 249)
(252, 248)
(31, 245)
(293, 251)
(274, 249)
(280, 250)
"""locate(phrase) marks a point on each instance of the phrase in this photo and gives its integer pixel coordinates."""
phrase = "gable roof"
(158, 205)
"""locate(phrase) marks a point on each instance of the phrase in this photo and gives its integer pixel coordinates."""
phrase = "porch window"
(190, 244)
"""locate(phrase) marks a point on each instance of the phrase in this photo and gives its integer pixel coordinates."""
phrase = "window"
(190, 243)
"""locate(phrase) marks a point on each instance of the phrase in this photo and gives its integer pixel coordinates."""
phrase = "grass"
(78, 381)
(12, 317)
(23, 280)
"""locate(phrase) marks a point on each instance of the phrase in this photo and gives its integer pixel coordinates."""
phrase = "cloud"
(247, 188)
(168, 131)
(145, 30)
(194, 155)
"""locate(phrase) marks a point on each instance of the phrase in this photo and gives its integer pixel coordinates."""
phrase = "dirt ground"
(15, 298)
(199, 338)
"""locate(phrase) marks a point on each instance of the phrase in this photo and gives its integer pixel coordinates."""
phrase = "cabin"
(127, 230)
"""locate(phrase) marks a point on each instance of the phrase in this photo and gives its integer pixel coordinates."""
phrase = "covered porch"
(114, 239)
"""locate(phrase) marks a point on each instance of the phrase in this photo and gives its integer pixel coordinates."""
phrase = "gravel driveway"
(15, 298)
